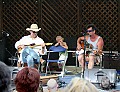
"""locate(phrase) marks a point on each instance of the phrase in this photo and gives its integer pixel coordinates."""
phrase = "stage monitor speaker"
(96, 75)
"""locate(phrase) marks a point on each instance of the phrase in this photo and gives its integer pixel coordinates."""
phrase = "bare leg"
(42, 60)
(81, 60)
(91, 61)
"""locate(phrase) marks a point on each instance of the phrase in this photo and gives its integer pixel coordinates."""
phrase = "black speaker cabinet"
(111, 61)
(2, 51)
(71, 42)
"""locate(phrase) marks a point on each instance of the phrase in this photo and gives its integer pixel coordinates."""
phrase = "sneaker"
(60, 65)
(35, 61)
(66, 70)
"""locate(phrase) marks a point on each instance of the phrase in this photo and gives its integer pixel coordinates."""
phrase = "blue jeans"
(30, 57)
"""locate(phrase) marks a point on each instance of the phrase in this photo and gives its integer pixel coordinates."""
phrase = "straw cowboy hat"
(33, 27)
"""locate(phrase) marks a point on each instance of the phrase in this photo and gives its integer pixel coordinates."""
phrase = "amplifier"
(96, 75)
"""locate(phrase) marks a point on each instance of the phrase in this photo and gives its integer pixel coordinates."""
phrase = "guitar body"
(82, 44)
(88, 48)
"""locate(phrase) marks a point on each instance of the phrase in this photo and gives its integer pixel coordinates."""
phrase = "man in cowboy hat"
(31, 47)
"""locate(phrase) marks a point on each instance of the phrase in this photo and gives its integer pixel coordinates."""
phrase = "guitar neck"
(38, 44)
(32, 45)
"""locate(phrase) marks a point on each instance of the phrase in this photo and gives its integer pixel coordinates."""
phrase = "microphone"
(5, 33)
(83, 33)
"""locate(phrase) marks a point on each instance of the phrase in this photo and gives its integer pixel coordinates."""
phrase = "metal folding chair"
(55, 49)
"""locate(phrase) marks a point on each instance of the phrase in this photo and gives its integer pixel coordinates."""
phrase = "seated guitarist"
(97, 46)
(31, 47)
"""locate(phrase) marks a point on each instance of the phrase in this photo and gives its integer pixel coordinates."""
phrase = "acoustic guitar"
(34, 46)
(88, 49)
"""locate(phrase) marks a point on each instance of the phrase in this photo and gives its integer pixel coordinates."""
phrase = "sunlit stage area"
(30, 28)
(94, 75)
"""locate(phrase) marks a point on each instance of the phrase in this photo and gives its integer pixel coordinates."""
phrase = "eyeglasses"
(90, 30)
(35, 32)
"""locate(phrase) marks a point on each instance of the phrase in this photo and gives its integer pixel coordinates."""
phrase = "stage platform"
(71, 72)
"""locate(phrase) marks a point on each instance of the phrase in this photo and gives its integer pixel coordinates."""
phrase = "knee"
(29, 58)
(80, 57)
(90, 64)
(91, 58)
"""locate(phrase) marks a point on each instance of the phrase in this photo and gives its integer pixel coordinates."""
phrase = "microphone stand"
(84, 34)
(13, 58)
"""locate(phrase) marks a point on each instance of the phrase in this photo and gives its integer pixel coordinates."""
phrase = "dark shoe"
(35, 61)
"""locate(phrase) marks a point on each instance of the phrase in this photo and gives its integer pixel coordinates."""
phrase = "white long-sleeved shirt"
(27, 40)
